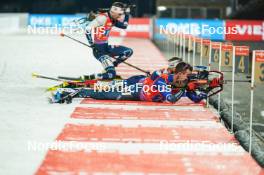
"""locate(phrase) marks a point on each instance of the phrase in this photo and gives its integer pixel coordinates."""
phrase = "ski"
(74, 84)
(35, 75)
(59, 78)
(70, 82)
(71, 78)
(54, 88)
(118, 77)
(68, 98)
(65, 83)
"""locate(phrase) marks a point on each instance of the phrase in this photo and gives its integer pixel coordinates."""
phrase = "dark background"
(240, 9)
(144, 7)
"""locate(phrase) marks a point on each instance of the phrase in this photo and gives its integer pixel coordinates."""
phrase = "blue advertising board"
(43, 20)
(208, 29)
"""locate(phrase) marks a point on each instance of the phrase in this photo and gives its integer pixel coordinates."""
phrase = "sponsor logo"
(245, 30)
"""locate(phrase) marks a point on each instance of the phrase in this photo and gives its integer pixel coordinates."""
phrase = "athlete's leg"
(120, 53)
(101, 54)
(100, 95)
(133, 80)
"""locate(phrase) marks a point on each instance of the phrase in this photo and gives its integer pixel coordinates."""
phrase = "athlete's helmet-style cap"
(118, 7)
(173, 62)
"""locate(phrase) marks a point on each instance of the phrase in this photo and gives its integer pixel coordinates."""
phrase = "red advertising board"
(244, 30)
(138, 28)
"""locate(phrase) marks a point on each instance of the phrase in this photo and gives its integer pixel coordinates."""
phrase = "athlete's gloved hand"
(191, 86)
(214, 83)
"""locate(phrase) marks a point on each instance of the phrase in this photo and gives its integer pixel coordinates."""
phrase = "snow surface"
(25, 114)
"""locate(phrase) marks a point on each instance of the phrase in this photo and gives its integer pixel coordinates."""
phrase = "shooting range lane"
(118, 137)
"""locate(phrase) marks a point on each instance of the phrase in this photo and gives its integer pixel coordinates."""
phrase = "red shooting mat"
(58, 162)
(143, 114)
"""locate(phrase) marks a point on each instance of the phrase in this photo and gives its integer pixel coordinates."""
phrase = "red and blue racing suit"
(105, 52)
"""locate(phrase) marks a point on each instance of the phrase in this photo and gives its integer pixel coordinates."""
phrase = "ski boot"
(62, 95)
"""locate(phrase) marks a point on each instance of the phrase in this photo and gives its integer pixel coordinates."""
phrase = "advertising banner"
(245, 30)
(138, 27)
(43, 20)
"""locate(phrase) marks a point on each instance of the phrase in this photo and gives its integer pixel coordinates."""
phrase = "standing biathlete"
(97, 34)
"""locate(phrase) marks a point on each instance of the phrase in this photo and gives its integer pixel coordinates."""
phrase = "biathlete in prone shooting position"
(155, 88)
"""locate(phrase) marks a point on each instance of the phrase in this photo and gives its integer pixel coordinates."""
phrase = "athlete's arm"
(124, 24)
(165, 91)
(155, 75)
(196, 97)
(173, 98)
(97, 22)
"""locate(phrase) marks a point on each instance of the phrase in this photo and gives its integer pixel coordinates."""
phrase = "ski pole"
(135, 67)
(67, 36)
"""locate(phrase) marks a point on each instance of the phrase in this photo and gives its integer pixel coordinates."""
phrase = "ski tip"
(34, 75)
(62, 34)
(50, 89)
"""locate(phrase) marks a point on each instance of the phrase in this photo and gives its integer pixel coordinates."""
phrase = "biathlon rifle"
(209, 82)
